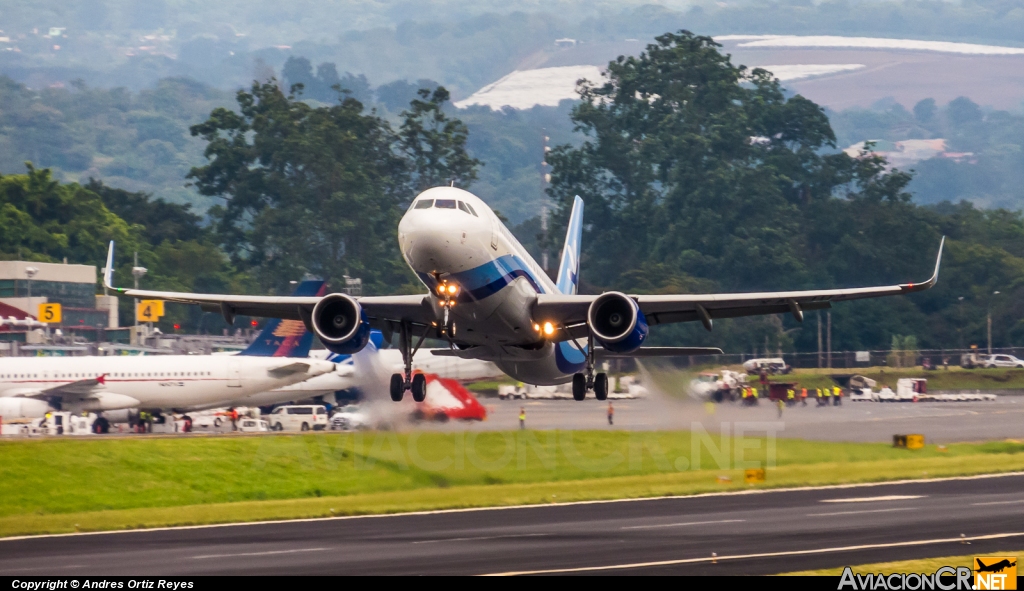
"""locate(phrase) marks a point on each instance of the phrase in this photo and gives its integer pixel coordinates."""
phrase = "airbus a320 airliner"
(490, 300)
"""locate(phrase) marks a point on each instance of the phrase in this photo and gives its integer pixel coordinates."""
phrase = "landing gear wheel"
(419, 387)
(601, 386)
(579, 386)
(397, 387)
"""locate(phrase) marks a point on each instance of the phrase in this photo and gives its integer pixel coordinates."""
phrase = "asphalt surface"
(805, 526)
(940, 422)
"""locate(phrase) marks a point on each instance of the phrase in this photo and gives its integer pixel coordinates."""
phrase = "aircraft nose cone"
(435, 240)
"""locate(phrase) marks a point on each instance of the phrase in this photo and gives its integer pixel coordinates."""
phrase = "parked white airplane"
(491, 301)
(32, 386)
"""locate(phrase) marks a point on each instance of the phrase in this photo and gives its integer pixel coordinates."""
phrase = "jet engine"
(340, 323)
(23, 408)
(617, 322)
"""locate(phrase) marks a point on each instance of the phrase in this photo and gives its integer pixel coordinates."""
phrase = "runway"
(752, 533)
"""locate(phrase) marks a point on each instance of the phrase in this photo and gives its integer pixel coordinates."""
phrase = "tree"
(435, 144)
(321, 189)
(924, 110)
(700, 175)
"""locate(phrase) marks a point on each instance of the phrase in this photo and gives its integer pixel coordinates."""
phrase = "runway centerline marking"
(998, 503)
(683, 524)
(861, 512)
(268, 553)
(479, 538)
(761, 555)
(873, 499)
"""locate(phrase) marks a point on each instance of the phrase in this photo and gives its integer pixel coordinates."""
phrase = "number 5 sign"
(49, 313)
(149, 310)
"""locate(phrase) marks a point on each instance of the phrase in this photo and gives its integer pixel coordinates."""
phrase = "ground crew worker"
(522, 417)
(820, 399)
(611, 414)
(780, 404)
(837, 396)
(234, 419)
(790, 397)
(803, 396)
(828, 395)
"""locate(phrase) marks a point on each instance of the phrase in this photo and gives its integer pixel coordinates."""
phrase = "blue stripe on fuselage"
(488, 279)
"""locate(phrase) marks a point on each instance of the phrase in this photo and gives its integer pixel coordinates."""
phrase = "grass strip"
(924, 565)
(494, 495)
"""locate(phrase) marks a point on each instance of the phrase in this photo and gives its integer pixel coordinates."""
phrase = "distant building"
(71, 286)
(907, 152)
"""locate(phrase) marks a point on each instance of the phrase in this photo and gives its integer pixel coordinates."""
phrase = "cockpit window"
(423, 204)
(464, 207)
(470, 209)
(444, 203)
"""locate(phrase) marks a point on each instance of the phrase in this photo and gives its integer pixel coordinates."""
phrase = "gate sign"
(49, 313)
(149, 310)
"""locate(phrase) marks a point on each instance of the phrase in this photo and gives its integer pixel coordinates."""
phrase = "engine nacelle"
(617, 322)
(23, 408)
(340, 323)
(126, 415)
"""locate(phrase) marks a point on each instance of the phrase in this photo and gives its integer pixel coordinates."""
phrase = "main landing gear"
(581, 382)
(400, 382)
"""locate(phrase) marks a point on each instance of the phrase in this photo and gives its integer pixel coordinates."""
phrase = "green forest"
(698, 174)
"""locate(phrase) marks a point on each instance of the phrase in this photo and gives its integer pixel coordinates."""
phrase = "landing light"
(453, 289)
(549, 329)
(536, 327)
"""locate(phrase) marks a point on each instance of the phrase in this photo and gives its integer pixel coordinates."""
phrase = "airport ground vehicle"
(349, 418)
(991, 361)
(298, 418)
(773, 365)
(248, 425)
(723, 385)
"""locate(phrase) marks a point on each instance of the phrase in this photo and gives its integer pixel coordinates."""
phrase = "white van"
(298, 418)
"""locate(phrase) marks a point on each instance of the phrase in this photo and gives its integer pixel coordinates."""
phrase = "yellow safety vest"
(828, 392)
(837, 391)
(789, 394)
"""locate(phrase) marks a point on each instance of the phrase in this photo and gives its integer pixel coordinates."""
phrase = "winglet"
(108, 271)
(935, 275)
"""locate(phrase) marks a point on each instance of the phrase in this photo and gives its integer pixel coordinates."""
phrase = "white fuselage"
(498, 281)
(166, 382)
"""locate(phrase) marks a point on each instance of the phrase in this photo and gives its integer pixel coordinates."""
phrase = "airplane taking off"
(491, 301)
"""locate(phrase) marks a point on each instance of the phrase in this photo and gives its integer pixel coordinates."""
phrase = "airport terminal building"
(24, 285)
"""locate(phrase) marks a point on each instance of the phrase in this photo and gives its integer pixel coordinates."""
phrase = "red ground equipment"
(449, 399)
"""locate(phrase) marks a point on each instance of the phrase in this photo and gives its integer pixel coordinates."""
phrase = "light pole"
(30, 272)
(994, 293)
(961, 306)
(137, 272)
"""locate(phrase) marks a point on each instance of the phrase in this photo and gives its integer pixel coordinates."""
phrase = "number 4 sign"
(149, 310)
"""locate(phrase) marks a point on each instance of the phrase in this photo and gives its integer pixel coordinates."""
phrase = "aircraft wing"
(379, 309)
(570, 311)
